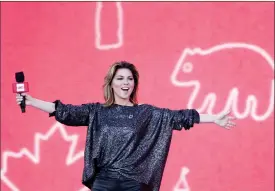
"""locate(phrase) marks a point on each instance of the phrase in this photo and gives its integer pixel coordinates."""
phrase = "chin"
(125, 97)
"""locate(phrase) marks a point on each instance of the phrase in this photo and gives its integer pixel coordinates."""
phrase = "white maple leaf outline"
(35, 157)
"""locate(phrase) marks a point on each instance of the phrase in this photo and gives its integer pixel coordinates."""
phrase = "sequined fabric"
(131, 140)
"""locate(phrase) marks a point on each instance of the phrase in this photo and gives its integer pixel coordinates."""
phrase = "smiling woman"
(127, 143)
(121, 83)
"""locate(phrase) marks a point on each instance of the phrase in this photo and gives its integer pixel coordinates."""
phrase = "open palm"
(224, 120)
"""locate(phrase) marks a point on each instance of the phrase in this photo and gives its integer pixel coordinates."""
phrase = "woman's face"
(123, 84)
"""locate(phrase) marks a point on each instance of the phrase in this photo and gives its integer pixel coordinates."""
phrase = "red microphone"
(21, 87)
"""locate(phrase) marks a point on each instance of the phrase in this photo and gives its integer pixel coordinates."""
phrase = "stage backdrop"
(208, 56)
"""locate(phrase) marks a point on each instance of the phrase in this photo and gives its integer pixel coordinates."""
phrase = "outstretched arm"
(42, 105)
(68, 114)
(186, 118)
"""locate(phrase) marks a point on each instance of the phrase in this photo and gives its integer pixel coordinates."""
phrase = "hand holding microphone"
(21, 88)
(23, 99)
(20, 97)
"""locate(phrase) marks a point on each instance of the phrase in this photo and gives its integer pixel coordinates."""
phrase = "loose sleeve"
(71, 115)
(185, 118)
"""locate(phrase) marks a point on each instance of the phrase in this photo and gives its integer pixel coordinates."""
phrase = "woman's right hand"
(19, 98)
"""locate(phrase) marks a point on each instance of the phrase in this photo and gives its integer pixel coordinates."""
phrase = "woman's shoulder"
(148, 106)
(93, 105)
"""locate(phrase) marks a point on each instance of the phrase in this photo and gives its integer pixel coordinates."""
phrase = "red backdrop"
(208, 56)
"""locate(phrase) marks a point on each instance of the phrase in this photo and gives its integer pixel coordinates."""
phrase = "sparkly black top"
(131, 140)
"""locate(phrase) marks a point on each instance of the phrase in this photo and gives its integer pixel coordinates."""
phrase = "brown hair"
(108, 91)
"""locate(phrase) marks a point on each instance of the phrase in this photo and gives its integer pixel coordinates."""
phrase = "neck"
(123, 102)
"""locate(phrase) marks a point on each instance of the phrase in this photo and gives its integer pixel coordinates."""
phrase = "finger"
(231, 118)
(22, 94)
(230, 126)
(231, 123)
(226, 112)
(226, 127)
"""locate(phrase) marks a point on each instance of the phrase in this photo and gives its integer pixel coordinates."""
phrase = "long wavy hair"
(108, 90)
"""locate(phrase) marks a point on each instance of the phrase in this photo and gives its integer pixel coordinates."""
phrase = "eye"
(187, 67)
(131, 78)
(119, 78)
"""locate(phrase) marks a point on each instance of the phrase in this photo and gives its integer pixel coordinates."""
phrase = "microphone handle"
(23, 104)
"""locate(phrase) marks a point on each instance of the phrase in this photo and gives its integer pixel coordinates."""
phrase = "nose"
(126, 82)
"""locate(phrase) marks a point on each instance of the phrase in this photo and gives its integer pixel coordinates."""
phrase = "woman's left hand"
(224, 120)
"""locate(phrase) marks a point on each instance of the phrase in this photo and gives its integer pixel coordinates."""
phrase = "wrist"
(215, 118)
(207, 118)
(31, 101)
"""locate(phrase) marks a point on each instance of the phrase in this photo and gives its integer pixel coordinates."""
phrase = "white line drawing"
(35, 157)
(232, 100)
(182, 181)
(119, 32)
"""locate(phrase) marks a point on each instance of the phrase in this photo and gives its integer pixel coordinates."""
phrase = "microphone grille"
(19, 76)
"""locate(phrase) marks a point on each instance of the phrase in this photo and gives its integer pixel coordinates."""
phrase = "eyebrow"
(123, 76)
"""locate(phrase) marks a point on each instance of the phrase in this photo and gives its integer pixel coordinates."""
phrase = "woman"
(127, 143)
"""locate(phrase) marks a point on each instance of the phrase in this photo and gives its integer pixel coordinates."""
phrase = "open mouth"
(125, 89)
